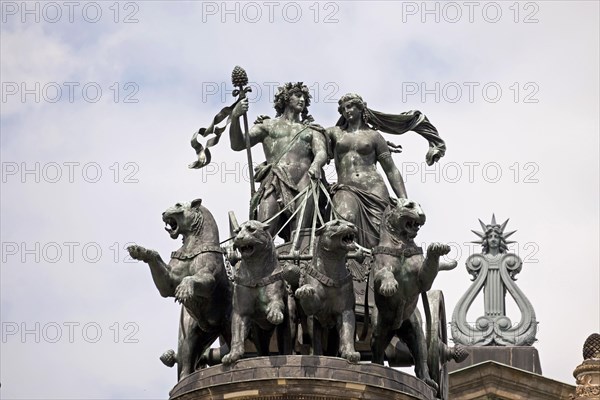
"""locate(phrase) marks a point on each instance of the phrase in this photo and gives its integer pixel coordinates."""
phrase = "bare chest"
(284, 137)
(359, 142)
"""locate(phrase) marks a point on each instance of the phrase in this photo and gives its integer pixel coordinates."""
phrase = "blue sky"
(522, 144)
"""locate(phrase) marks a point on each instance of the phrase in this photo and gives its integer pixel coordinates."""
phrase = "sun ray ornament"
(494, 270)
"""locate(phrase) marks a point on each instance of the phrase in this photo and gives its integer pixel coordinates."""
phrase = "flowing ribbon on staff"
(203, 153)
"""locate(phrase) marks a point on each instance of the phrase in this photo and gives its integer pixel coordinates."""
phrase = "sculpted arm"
(319, 148)
(236, 136)
(389, 167)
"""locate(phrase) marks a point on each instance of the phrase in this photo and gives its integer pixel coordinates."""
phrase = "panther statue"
(401, 274)
(326, 292)
(196, 277)
(260, 297)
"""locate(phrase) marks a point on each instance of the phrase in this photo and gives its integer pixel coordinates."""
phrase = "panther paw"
(141, 253)
(305, 292)
(185, 290)
(275, 316)
(230, 358)
(437, 250)
(388, 287)
(351, 356)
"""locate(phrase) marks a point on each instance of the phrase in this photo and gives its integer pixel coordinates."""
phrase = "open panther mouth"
(171, 226)
(412, 227)
(246, 250)
(348, 239)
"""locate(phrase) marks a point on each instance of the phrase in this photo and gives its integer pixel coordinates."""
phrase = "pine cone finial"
(591, 347)
(239, 78)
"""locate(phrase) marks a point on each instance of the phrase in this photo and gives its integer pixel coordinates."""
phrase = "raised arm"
(389, 167)
(236, 136)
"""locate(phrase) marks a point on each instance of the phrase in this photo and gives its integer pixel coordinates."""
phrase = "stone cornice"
(490, 378)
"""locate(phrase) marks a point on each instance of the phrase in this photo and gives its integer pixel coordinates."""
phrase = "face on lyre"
(493, 240)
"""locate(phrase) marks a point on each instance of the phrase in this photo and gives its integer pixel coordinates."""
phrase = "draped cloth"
(274, 179)
(397, 124)
(369, 213)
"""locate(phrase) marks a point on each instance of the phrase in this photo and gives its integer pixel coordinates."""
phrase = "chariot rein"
(294, 255)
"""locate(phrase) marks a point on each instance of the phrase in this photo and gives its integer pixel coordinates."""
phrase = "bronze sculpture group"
(305, 294)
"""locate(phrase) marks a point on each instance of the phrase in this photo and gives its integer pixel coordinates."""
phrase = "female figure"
(361, 195)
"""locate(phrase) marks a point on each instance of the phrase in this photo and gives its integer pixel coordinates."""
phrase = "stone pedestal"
(588, 380)
(588, 372)
(300, 378)
(521, 357)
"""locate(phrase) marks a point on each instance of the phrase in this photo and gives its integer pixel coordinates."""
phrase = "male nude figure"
(294, 154)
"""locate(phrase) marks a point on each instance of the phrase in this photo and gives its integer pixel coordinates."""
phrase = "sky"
(100, 100)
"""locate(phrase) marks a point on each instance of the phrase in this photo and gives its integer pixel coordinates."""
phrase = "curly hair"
(502, 246)
(283, 96)
(351, 98)
(358, 101)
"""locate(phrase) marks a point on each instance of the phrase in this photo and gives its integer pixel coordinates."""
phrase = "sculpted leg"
(345, 206)
(413, 336)
(431, 264)
(160, 271)
(345, 325)
(187, 351)
(267, 208)
(382, 335)
(240, 327)
(316, 333)
(275, 311)
(286, 331)
(385, 282)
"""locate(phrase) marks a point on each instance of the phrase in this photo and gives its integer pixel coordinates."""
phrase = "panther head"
(405, 219)
(184, 219)
(337, 235)
(252, 236)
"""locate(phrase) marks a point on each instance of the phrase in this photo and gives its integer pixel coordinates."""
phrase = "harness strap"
(398, 252)
(267, 280)
(204, 248)
(327, 281)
